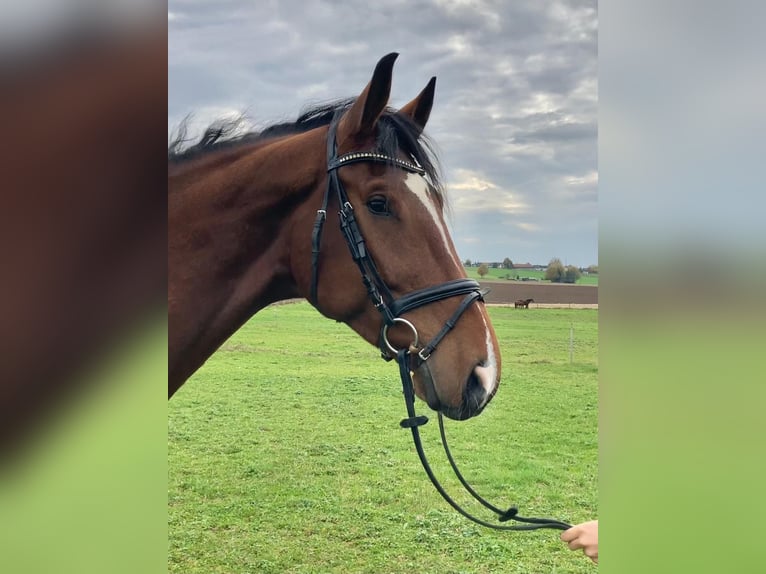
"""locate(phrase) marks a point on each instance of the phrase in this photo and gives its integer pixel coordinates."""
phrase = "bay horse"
(523, 303)
(247, 217)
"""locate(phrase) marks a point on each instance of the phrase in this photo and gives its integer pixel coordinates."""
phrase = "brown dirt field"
(544, 294)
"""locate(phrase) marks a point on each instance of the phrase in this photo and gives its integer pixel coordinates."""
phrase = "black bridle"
(391, 309)
(379, 293)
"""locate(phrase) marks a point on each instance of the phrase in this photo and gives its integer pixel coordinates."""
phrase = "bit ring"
(393, 349)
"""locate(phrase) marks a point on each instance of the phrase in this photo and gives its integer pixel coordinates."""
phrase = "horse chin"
(424, 387)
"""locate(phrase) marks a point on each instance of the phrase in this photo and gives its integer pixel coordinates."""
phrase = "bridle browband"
(391, 308)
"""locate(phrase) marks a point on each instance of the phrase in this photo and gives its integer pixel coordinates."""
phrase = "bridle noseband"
(391, 310)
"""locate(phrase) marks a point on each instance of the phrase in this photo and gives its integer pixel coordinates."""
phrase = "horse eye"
(378, 205)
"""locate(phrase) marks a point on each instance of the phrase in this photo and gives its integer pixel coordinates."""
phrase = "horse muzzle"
(478, 390)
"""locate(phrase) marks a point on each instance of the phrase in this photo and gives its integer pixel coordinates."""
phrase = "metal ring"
(406, 322)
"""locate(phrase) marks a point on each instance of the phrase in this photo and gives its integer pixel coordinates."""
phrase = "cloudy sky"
(515, 117)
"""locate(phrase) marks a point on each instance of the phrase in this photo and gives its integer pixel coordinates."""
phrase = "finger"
(570, 534)
(591, 553)
(575, 544)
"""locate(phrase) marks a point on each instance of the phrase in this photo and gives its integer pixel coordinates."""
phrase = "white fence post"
(571, 342)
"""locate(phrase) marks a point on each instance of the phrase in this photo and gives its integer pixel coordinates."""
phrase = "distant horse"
(523, 303)
(247, 228)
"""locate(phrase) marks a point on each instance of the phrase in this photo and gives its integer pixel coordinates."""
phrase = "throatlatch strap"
(316, 246)
(316, 234)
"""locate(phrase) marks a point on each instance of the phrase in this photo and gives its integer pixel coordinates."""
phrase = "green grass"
(286, 456)
(511, 274)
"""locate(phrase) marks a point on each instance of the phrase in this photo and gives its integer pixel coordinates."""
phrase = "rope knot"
(413, 422)
(508, 514)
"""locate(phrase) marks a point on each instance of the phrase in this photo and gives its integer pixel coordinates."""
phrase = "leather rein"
(391, 309)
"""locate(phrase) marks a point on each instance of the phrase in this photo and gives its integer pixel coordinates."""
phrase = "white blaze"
(419, 187)
(491, 367)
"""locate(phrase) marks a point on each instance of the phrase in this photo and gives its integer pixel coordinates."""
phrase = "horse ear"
(419, 109)
(361, 117)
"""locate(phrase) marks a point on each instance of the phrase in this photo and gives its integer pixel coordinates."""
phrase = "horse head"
(398, 206)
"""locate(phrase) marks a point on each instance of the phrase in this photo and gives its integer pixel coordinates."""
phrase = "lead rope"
(413, 422)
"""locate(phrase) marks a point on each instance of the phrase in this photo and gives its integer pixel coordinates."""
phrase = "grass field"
(511, 274)
(285, 454)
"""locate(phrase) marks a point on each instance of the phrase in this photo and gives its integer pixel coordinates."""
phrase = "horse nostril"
(478, 391)
(476, 394)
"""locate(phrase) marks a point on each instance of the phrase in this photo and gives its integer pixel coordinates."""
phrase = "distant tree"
(483, 269)
(555, 271)
(593, 269)
(571, 274)
(467, 263)
(507, 263)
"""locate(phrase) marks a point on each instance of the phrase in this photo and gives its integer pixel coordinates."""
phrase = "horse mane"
(395, 132)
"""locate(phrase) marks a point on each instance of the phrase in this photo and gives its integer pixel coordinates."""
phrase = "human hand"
(583, 536)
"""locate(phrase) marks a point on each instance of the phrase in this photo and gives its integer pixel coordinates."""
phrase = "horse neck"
(229, 241)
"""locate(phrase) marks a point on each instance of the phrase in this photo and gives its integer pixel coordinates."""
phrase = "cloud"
(529, 227)
(471, 191)
(588, 180)
(471, 181)
(515, 115)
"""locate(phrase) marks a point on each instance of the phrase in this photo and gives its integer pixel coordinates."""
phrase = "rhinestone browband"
(376, 157)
